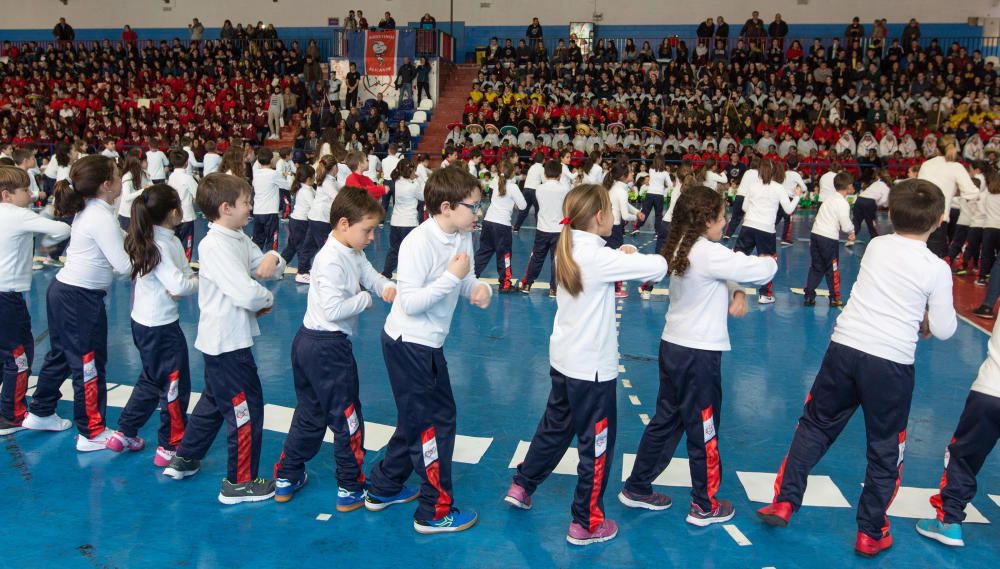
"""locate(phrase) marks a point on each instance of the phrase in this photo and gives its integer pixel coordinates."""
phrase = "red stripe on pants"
(713, 474)
(356, 444)
(21, 384)
(442, 506)
(899, 478)
(244, 440)
(596, 515)
(91, 397)
(175, 411)
(936, 500)
(506, 273)
(835, 293)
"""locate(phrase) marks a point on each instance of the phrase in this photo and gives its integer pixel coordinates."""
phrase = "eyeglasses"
(474, 208)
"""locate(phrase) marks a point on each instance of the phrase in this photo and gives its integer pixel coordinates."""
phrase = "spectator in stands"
(227, 32)
(387, 22)
(63, 33)
(311, 74)
(534, 33)
(428, 22)
(778, 28)
(705, 31)
(721, 28)
(362, 21)
(350, 22)
(878, 35)
(197, 31)
(753, 31)
(423, 79)
(911, 33)
(854, 31)
(353, 83)
(404, 80)
(130, 38)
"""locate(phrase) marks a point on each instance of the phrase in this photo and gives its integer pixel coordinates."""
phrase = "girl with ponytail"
(694, 336)
(617, 182)
(78, 322)
(304, 194)
(409, 191)
(161, 276)
(318, 217)
(497, 235)
(583, 355)
(951, 177)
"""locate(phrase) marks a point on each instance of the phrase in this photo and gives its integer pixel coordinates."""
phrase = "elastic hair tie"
(70, 184)
(565, 221)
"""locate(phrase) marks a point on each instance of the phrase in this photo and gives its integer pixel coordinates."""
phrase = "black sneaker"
(180, 468)
(8, 427)
(809, 302)
(254, 491)
(984, 312)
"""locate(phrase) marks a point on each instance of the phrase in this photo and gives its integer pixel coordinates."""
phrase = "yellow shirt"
(476, 96)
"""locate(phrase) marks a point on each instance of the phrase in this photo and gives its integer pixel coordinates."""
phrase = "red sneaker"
(869, 547)
(776, 514)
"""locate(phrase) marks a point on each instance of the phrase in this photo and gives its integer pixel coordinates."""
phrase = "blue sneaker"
(284, 488)
(948, 534)
(377, 503)
(348, 501)
(449, 523)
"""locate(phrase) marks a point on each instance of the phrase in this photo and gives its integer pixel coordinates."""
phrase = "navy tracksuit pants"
(296, 237)
(848, 378)
(662, 233)
(866, 212)
(825, 255)
(232, 395)
(530, 202)
(689, 402)
(585, 408)
(960, 236)
(326, 393)
(390, 190)
(976, 435)
(545, 244)
(316, 236)
(495, 239)
(786, 218)
(78, 339)
(165, 382)
(737, 216)
(424, 440)
(185, 233)
(765, 244)
(265, 231)
(396, 236)
(17, 351)
(651, 203)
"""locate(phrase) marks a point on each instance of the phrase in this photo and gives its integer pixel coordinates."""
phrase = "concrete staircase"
(456, 84)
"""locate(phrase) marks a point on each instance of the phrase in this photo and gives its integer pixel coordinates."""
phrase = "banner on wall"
(372, 85)
(380, 53)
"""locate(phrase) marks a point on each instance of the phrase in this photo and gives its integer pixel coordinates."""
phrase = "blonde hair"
(581, 205)
(13, 178)
(948, 147)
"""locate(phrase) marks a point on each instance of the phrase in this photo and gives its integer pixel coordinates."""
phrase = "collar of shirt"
(101, 203)
(160, 231)
(446, 238)
(341, 248)
(225, 231)
(588, 237)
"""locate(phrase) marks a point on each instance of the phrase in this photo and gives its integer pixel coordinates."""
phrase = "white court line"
(621, 368)
(914, 503)
(820, 490)
(735, 533)
(626, 384)
(677, 473)
(644, 418)
(819, 291)
(995, 498)
(975, 325)
(567, 464)
(468, 450)
(634, 399)
(324, 517)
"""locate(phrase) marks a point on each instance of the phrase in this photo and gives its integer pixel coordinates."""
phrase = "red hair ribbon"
(565, 221)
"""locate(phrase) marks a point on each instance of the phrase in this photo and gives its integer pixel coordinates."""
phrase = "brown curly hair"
(696, 207)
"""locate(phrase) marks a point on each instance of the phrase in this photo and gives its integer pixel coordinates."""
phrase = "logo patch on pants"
(241, 410)
(352, 420)
(173, 390)
(430, 447)
(902, 450)
(601, 438)
(89, 368)
(21, 359)
(708, 424)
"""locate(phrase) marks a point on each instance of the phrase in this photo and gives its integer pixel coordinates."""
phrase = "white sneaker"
(765, 299)
(100, 442)
(51, 423)
(303, 278)
(645, 294)
(36, 266)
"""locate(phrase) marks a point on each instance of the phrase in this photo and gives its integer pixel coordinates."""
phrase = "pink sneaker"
(163, 456)
(623, 293)
(518, 497)
(578, 535)
(118, 442)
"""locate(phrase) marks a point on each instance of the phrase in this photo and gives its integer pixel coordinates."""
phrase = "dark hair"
(264, 155)
(87, 174)
(915, 206)
(150, 209)
(553, 169)
(354, 204)
(505, 171)
(696, 208)
(403, 170)
(21, 154)
(178, 158)
(7, 161)
(13, 178)
(61, 154)
(618, 171)
(842, 181)
(133, 165)
(304, 172)
(232, 161)
(218, 188)
(354, 159)
(452, 184)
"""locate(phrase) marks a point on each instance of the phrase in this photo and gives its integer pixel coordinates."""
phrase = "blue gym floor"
(66, 509)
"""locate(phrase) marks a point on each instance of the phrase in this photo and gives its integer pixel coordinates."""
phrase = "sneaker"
(765, 299)
(961, 272)
(284, 488)
(982, 312)
(348, 501)
(118, 442)
(623, 293)
(8, 427)
(453, 521)
(525, 288)
(850, 244)
(981, 282)
(785, 243)
(256, 490)
(948, 534)
(36, 266)
(634, 233)
(51, 423)
(723, 512)
(809, 302)
(180, 467)
(869, 547)
(99, 442)
(578, 535)
(52, 263)
(506, 289)
(552, 293)
(303, 278)
(652, 501)
(518, 497)
(836, 303)
(163, 457)
(776, 514)
(725, 238)
(645, 294)
(376, 503)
